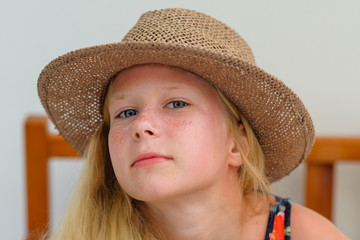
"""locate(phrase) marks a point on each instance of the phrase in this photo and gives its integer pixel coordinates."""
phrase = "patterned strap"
(278, 227)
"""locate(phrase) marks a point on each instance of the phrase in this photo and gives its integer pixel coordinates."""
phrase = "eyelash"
(121, 114)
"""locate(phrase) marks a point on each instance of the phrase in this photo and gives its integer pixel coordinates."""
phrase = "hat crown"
(188, 28)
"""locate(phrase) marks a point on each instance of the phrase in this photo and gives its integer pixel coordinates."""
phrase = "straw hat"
(72, 87)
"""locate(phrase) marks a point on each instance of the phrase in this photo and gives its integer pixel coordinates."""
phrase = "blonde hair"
(100, 209)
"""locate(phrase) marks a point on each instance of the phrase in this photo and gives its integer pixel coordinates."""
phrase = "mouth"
(149, 159)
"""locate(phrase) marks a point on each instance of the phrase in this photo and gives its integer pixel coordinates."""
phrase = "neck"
(215, 213)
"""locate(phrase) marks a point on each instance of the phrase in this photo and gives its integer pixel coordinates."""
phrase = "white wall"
(313, 46)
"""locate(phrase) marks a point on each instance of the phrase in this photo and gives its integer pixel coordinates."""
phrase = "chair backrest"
(41, 145)
(327, 151)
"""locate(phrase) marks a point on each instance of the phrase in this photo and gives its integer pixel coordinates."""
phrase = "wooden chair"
(320, 163)
(42, 145)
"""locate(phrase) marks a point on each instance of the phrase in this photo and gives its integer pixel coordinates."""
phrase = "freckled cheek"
(118, 137)
(176, 125)
(119, 134)
(192, 133)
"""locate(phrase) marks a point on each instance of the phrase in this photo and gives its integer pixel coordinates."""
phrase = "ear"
(236, 159)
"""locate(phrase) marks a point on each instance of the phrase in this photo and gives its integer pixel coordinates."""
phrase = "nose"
(145, 125)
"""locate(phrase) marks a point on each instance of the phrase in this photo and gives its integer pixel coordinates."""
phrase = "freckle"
(119, 137)
(180, 124)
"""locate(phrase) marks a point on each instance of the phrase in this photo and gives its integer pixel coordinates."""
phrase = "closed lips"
(149, 156)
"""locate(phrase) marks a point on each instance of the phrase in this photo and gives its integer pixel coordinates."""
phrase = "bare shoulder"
(307, 224)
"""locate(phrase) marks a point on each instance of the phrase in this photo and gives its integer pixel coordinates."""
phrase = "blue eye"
(128, 113)
(177, 104)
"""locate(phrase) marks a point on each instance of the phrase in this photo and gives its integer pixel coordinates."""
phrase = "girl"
(183, 134)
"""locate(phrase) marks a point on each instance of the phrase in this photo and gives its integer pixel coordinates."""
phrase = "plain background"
(313, 46)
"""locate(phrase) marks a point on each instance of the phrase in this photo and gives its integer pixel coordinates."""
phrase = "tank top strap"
(278, 227)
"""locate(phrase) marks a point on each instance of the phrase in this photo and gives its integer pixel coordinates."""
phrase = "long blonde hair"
(100, 209)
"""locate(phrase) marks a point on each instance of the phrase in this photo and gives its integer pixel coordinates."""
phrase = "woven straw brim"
(71, 89)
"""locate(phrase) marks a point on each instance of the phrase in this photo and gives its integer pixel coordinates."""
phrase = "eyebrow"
(122, 96)
(117, 97)
(174, 88)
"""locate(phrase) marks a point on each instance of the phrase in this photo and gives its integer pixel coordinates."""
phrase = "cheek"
(118, 135)
(118, 138)
(204, 138)
(175, 124)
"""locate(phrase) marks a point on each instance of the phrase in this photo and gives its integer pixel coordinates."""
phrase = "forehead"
(158, 76)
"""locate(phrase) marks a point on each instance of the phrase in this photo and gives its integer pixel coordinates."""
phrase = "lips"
(149, 159)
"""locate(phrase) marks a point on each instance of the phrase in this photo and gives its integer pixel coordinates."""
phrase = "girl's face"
(168, 134)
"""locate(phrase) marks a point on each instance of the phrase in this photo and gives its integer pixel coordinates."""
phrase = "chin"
(150, 194)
